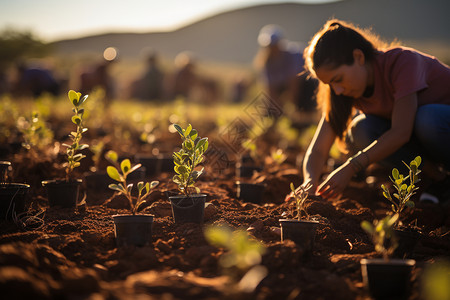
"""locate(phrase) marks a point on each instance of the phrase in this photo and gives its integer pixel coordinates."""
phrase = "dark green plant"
(383, 235)
(188, 158)
(402, 197)
(125, 188)
(300, 196)
(73, 157)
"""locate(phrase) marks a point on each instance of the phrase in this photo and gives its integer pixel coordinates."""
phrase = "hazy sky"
(57, 19)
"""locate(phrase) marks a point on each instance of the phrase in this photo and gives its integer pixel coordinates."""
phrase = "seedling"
(73, 157)
(300, 197)
(404, 192)
(383, 235)
(278, 156)
(123, 187)
(34, 131)
(188, 158)
(243, 257)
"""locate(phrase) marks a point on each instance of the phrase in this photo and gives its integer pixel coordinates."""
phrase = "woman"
(385, 104)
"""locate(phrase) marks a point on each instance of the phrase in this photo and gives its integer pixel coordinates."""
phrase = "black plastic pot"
(302, 232)
(387, 279)
(166, 163)
(407, 241)
(133, 230)
(62, 193)
(188, 209)
(4, 166)
(151, 163)
(12, 199)
(250, 192)
(243, 170)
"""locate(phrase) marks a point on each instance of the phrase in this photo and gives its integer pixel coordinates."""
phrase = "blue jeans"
(430, 138)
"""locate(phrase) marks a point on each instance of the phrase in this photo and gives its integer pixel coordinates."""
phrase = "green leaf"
(76, 120)
(113, 173)
(83, 99)
(179, 129)
(111, 156)
(140, 186)
(193, 134)
(395, 173)
(125, 165)
(409, 203)
(134, 168)
(74, 97)
(116, 187)
(83, 146)
(188, 130)
(181, 169)
(368, 227)
(418, 160)
(153, 184)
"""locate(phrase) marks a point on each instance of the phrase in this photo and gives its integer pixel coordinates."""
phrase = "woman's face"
(348, 80)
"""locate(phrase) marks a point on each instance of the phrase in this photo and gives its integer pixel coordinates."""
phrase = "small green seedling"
(404, 192)
(243, 257)
(123, 187)
(188, 158)
(278, 156)
(383, 235)
(73, 157)
(36, 134)
(300, 195)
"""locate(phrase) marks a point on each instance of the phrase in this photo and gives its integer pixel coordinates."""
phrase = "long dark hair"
(332, 47)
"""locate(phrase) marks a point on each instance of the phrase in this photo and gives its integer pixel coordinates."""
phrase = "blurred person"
(280, 62)
(97, 76)
(386, 104)
(185, 77)
(150, 85)
(34, 81)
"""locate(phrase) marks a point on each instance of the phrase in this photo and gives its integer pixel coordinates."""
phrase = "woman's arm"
(317, 153)
(402, 125)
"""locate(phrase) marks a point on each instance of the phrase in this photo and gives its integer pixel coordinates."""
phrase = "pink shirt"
(399, 72)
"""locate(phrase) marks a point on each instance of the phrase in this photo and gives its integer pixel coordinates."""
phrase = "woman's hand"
(336, 182)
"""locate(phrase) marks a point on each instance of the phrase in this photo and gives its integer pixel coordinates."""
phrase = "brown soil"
(73, 254)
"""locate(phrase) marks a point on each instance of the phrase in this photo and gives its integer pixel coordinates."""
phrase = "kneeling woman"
(386, 104)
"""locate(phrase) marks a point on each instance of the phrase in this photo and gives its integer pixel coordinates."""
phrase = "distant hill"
(231, 36)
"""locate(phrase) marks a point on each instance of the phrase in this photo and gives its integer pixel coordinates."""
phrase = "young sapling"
(300, 196)
(188, 158)
(73, 157)
(122, 186)
(402, 197)
(383, 235)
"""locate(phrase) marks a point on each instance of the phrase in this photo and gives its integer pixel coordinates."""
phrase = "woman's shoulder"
(401, 51)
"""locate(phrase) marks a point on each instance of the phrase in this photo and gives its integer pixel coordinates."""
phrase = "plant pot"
(166, 163)
(135, 230)
(188, 209)
(302, 232)
(246, 170)
(97, 181)
(12, 199)
(62, 193)
(250, 192)
(152, 164)
(387, 279)
(407, 240)
(4, 166)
